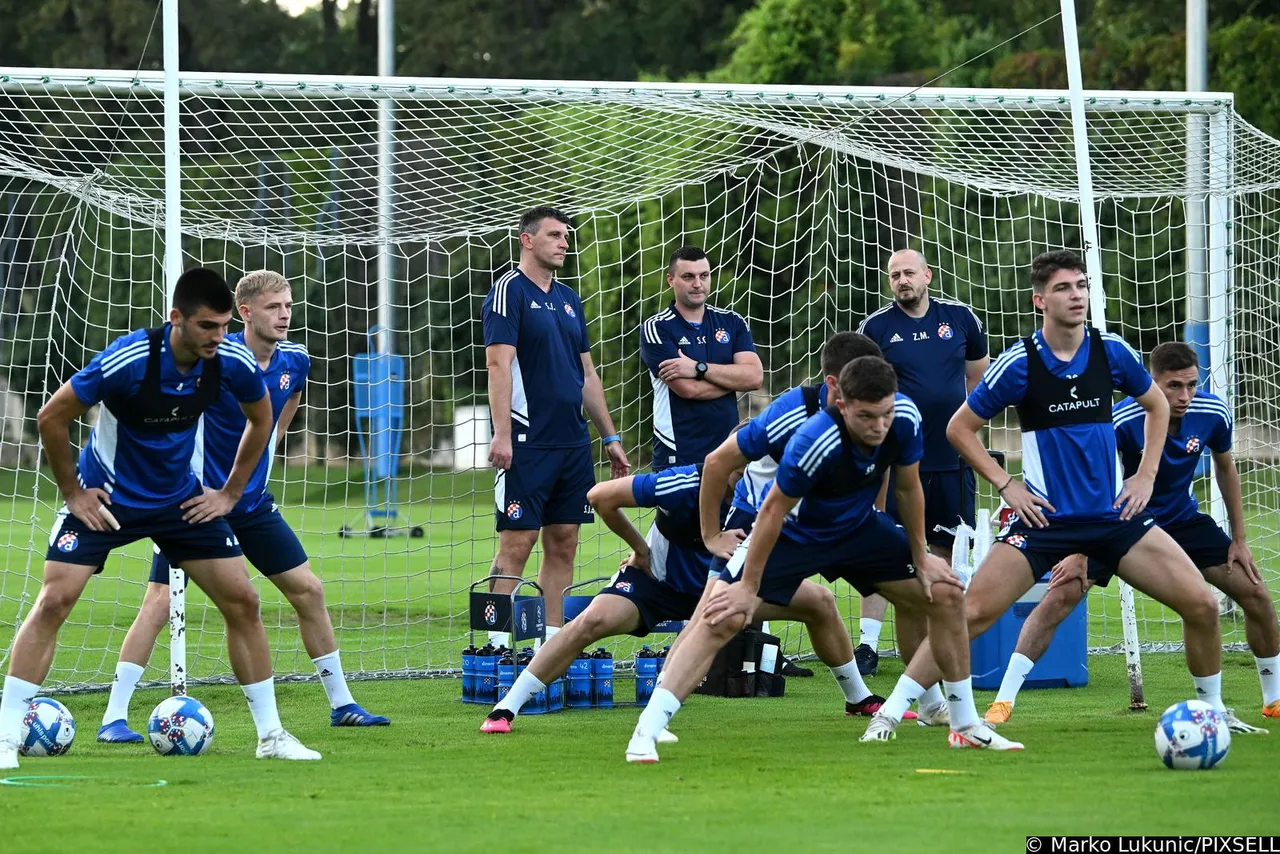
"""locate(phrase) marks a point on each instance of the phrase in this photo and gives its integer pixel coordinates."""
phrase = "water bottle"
(469, 675)
(486, 675)
(602, 679)
(506, 674)
(646, 674)
(579, 678)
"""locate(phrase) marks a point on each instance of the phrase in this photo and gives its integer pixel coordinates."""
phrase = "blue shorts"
(71, 541)
(264, 536)
(1103, 542)
(876, 553)
(545, 486)
(1200, 537)
(656, 602)
(949, 499)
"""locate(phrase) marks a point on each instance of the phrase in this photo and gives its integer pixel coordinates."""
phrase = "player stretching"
(764, 439)
(134, 480)
(540, 380)
(1197, 420)
(1073, 497)
(265, 302)
(819, 518)
(939, 350)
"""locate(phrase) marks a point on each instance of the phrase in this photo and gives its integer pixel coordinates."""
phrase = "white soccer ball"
(47, 729)
(180, 726)
(1192, 736)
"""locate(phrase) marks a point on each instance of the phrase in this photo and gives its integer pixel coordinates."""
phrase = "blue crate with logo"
(488, 672)
(1064, 663)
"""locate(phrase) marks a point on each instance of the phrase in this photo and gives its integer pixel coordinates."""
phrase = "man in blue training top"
(819, 518)
(541, 378)
(134, 480)
(265, 303)
(765, 437)
(1072, 496)
(699, 357)
(939, 349)
(1197, 421)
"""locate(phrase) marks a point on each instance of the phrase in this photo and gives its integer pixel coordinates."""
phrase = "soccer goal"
(798, 195)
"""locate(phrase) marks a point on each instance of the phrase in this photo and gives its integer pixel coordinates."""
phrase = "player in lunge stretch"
(1072, 496)
(1197, 420)
(819, 518)
(265, 303)
(134, 481)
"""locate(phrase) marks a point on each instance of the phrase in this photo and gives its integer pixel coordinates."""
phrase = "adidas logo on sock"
(1201, 691)
(952, 698)
(1266, 671)
(325, 672)
(842, 678)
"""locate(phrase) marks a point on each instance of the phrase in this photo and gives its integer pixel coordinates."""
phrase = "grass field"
(748, 775)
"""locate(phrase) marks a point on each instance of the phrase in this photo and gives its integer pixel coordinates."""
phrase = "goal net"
(799, 196)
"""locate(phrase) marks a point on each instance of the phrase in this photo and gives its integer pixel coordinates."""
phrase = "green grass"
(748, 775)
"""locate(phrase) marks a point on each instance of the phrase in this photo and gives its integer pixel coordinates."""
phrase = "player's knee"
(241, 604)
(54, 603)
(724, 630)
(1256, 603)
(1200, 609)
(947, 598)
(590, 626)
(155, 606)
(307, 593)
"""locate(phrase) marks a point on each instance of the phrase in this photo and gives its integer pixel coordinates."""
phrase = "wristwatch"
(700, 371)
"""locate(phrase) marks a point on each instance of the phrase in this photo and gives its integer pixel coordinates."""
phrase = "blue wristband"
(613, 437)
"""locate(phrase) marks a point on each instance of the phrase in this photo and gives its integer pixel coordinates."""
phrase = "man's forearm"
(56, 437)
(252, 443)
(1229, 486)
(764, 536)
(617, 521)
(734, 377)
(597, 409)
(715, 480)
(500, 399)
(969, 446)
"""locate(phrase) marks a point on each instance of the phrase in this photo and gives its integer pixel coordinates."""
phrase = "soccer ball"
(47, 729)
(180, 726)
(1192, 736)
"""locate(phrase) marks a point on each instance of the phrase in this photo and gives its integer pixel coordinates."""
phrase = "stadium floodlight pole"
(172, 270)
(386, 177)
(1097, 297)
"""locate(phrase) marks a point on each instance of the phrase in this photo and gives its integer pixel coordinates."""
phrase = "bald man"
(939, 349)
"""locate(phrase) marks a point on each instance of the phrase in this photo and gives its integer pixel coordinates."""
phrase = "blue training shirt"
(815, 453)
(674, 491)
(767, 434)
(223, 424)
(1074, 467)
(1207, 425)
(150, 470)
(549, 331)
(930, 354)
(685, 431)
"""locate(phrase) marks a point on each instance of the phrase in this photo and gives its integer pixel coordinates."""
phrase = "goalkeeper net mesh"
(798, 196)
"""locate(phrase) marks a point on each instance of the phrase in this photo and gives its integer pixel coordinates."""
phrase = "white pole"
(1197, 261)
(1097, 296)
(172, 270)
(1221, 352)
(386, 177)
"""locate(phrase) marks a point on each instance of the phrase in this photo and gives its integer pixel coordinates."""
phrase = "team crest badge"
(67, 542)
(568, 309)
(514, 511)
(944, 331)
(624, 586)
(1193, 445)
(722, 336)
(284, 381)
(1017, 541)
(490, 614)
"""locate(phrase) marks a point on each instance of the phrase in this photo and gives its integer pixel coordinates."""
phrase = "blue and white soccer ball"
(180, 726)
(47, 729)
(1192, 736)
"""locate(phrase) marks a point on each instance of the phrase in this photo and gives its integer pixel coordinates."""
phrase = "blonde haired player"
(265, 302)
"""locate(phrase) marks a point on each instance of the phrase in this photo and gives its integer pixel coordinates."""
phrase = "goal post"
(798, 195)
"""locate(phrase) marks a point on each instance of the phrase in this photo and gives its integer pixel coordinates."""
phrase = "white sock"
(964, 713)
(870, 632)
(906, 692)
(657, 683)
(525, 686)
(17, 696)
(262, 705)
(127, 676)
(500, 639)
(1269, 675)
(850, 682)
(551, 631)
(1014, 676)
(335, 683)
(932, 697)
(662, 707)
(1209, 689)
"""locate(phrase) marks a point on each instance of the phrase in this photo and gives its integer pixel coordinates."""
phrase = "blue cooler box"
(1063, 664)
